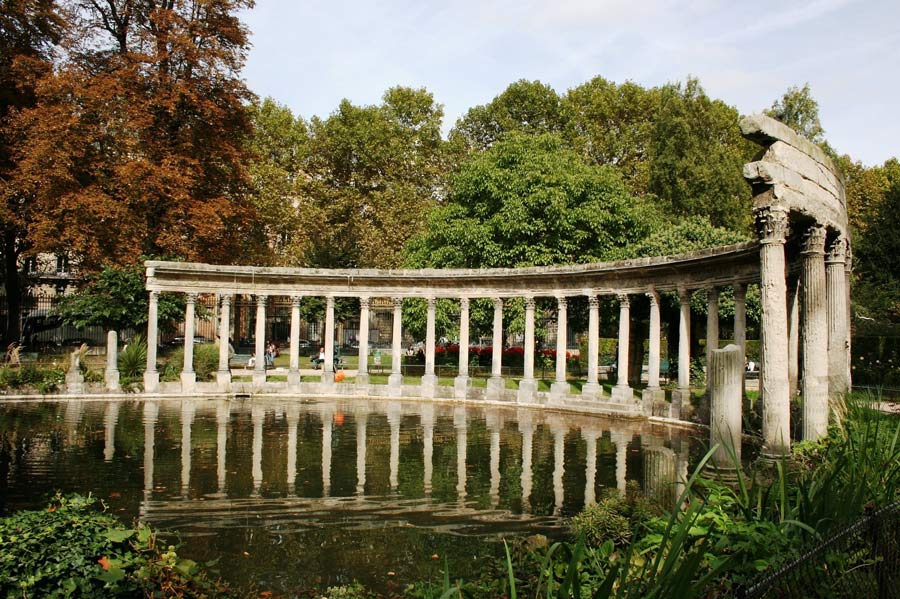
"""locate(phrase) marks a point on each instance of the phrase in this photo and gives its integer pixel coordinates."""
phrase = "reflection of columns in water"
(187, 421)
(590, 465)
(559, 431)
(362, 415)
(327, 411)
(293, 418)
(393, 416)
(494, 424)
(110, 419)
(428, 445)
(151, 411)
(223, 415)
(460, 425)
(660, 472)
(526, 427)
(72, 417)
(621, 440)
(258, 417)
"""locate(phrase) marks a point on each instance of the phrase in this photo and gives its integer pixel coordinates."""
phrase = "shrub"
(74, 549)
(616, 517)
(133, 359)
(206, 362)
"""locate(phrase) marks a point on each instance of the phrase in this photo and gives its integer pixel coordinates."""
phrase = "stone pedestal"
(725, 379)
(429, 385)
(151, 382)
(592, 391)
(188, 381)
(527, 392)
(259, 378)
(622, 394)
(223, 380)
(395, 385)
(75, 381)
(361, 379)
(495, 387)
(559, 390)
(461, 386)
(112, 361)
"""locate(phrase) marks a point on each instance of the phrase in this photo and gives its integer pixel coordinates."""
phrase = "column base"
(428, 385)
(559, 390)
(395, 385)
(623, 394)
(223, 377)
(591, 391)
(112, 380)
(527, 392)
(74, 382)
(495, 387)
(362, 378)
(151, 382)
(259, 377)
(461, 385)
(328, 377)
(653, 400)
(188, 381)
(293, 378)
(682, 405)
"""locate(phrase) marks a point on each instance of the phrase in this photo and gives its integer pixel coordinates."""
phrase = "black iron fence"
(861, 560)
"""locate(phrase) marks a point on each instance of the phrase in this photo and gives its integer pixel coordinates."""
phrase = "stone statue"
(75, 363)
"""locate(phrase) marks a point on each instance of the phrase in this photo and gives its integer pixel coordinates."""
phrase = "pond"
(294, 494)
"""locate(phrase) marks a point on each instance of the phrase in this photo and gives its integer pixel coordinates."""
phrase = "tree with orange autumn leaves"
(135, 142)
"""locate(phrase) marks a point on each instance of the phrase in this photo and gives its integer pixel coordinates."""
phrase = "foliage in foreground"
(29, 376)
(74, 549)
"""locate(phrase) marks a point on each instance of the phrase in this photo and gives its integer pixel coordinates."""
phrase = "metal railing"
(861, 560)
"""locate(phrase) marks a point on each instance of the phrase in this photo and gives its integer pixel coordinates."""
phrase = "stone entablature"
(718, 266)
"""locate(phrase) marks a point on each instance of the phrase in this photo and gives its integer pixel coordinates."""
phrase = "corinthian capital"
(814, 240)
(836, 252)
(772, 225)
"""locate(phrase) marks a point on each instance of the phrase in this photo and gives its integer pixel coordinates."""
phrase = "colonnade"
(662, 466)
(496, 385)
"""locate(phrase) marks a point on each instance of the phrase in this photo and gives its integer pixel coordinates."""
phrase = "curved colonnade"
(801, 262)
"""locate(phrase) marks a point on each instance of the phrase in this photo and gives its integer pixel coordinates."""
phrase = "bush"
(44, 380)
(206, 362)
(74, 549)
(616, 517)
(133, 359)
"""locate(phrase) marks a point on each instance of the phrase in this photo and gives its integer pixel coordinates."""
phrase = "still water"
(294, 494)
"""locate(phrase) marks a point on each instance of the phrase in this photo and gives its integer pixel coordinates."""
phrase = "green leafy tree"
(116, 299)
(799, 110)
(698, 158)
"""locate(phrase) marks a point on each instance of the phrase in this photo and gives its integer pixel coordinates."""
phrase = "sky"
(311, 54)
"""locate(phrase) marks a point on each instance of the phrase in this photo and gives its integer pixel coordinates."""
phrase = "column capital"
(772, 225)
(225, 300)
(684, 295)
(430, 301)
(295, 301)
(397, 302)
(624, 299)
(154, 296)
(261, 300)
(712, 293)
(562, 301)
(813, 241)
(593, 301)
(836, 251)
(739, 290)
(848, 261)
(529, 303)
(653, 294)
(190, 298)
(329, 301)
(463, 302)
(365, 301)
(498, 302)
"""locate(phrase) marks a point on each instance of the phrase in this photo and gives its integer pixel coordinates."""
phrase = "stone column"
(528, 385)
(772, 225)
(622, 392)
(814, 335)
(112, 361)
(362, 375)
(653, 392)
(328, 367)
(848, 273)
(725, 380)
(560, 387)
(462, 382)
(681, 397)
(429, 380)
(838, 354)
(151, 375)
(496, 384)
(395, 381)
(293, 377)
(259, 368)
(712, 323)
(793, 312)
(188, 376)
(592, 387)
(223, 375)
(740, 328)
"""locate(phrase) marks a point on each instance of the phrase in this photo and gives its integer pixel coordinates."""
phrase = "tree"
(613, 124)
(116, 299)
(698, 158)
(524, 107)
(280, 147)
(373, 172)
(799, 110)
(136, 143)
